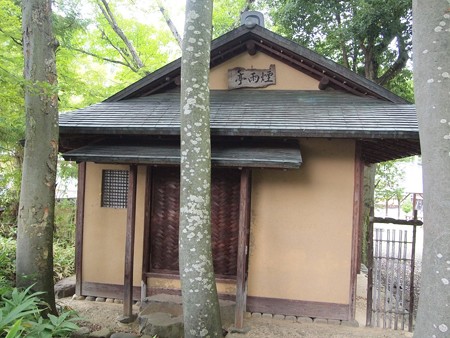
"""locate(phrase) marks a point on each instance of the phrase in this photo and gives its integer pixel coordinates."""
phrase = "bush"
(63, 260)
(7, 261)
(65, 210)
(64, 239)
(20, 315)
(63, 246)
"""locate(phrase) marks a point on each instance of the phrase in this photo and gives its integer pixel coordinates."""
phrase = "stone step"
(172, 304)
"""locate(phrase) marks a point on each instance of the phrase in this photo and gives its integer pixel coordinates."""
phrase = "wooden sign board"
(251, 78)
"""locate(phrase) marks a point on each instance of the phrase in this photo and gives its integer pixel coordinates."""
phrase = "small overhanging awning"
(285, 155)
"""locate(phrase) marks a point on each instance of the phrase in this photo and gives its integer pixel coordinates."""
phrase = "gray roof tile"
(253, 113)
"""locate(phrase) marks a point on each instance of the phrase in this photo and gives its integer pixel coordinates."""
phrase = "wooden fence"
(391, 267)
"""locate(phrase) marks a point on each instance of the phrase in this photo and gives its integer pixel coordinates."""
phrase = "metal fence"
(391, 265)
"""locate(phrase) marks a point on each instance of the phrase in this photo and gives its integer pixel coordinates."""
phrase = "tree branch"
(169, 22)
(342, 42)
(123, 53)
(126, 64)
(18, 42)
(113, 23)
(398, 65)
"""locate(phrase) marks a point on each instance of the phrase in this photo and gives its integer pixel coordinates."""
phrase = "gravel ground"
(99, 315)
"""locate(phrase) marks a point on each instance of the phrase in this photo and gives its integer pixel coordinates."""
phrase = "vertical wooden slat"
(405, 249)
(370, 270)
(411, 283)
(244, 225)
(379, 236)
(392, 279)
(79, 228)
(146, 239)
(129, 243)
(386, 291)
(398, 270)
(356, 227)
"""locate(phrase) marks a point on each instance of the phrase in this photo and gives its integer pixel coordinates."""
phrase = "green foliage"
(63, 246)
(11, 107)
(96, 58)
(226, 15)
(63, 260)
(407, 206)
(65, 210)
(402, 85)
(371, 37)
(20, 315)
(7, 261)
(388, 180)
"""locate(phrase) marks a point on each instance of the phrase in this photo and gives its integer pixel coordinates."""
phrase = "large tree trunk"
(37, 197)
(368, 198)
(431, 41)
(200, 301)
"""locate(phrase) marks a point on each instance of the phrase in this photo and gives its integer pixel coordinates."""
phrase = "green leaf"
(15, 329)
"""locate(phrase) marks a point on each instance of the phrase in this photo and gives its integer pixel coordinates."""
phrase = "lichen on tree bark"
(200, 301)
(431, 43)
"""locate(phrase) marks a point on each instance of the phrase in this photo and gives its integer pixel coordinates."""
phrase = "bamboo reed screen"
(165, 219)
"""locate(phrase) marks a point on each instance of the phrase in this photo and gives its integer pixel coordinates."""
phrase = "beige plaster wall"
(287, 77)
(300, 237)
(105, 228)
(301, 226)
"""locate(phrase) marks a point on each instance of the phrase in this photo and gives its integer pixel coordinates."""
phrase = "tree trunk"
(37, 197)
(368, 197)
(200, 301)
(431, 42)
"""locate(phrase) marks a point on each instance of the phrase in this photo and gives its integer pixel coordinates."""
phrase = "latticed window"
(114, 188)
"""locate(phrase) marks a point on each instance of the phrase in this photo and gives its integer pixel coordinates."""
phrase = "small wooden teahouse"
(291, 133)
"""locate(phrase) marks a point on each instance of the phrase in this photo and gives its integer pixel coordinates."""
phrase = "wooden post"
(129, 244)
(244, 225)
(146, 242)
(79, 228)
(370, 270)
(411, 283)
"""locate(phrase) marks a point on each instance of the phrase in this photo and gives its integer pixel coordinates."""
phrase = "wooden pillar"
(244, 226)
(146, 242)
(129, 243)
(79, 227)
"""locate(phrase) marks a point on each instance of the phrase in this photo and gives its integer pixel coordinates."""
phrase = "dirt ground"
(104, 315)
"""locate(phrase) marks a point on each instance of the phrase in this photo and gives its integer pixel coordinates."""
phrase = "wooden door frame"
(243, 240)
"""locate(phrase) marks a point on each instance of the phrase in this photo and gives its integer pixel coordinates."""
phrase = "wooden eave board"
(285, 156)
(234, 43)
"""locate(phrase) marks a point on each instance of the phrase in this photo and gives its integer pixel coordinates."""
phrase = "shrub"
(7, 260)
(20, 315)
(65, 210)
(63, 260)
